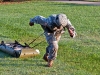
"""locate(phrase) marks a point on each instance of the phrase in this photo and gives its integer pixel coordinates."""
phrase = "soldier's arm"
(71, 29)
(38, 20)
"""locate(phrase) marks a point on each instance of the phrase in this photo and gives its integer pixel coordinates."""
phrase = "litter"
(18, 50)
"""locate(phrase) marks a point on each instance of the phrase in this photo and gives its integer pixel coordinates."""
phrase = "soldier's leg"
(48, 48)
(57, 36)
(52, 48)
(45, 57)
(52, 52)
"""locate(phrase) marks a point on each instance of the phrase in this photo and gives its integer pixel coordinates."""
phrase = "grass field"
(78, 56)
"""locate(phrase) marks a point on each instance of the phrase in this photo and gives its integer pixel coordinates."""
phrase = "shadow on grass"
(20, 62)
(36, 62)
(1, 36)
(28, 61)
(4, 55)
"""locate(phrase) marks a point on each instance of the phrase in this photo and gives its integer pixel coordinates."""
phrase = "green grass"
(78, 56)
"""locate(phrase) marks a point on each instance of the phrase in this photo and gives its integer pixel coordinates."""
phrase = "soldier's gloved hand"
(31, 23)
(55, 28)
(72, 32)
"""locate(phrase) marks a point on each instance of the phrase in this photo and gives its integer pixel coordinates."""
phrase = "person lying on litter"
(54, 26)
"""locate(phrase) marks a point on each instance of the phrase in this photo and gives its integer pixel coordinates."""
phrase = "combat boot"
(50, 63)
(45, 57)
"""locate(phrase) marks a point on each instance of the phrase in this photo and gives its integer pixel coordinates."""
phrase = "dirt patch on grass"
(14, 2)
(75, 2)
(80, 2)
(5, 3)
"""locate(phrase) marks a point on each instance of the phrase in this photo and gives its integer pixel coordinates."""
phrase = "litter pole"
(18, 50)
(37, 44)
(35, 39)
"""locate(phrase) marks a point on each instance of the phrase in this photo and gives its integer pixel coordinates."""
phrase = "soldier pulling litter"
(53, 27)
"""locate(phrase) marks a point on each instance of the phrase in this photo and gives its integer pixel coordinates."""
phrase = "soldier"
(53, 27)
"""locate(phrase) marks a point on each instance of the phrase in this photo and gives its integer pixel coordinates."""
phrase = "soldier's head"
(61, 20)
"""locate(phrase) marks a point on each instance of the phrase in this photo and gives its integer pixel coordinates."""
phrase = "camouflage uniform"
(52, 33)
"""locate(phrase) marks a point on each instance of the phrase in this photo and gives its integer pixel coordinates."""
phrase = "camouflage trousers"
(52, 48)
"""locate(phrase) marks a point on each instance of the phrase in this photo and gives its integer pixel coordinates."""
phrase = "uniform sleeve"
(39, 20)
(68, 24)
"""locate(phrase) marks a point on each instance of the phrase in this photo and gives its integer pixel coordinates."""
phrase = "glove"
(31, 24)
(71, 32)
